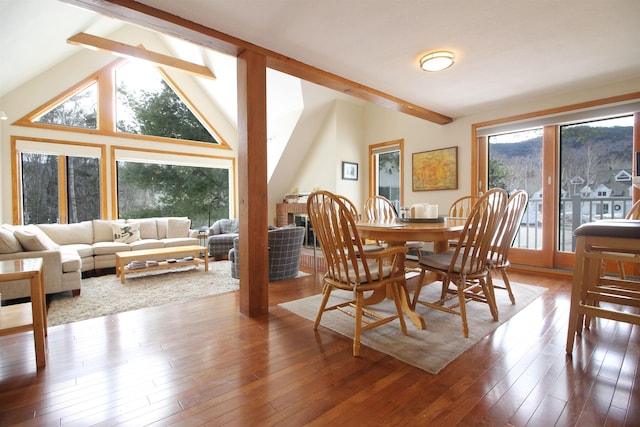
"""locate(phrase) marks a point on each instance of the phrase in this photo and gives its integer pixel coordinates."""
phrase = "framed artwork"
(435, 170)
(350, 171)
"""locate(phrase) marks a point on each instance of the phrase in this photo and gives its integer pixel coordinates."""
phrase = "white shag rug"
(104, 295)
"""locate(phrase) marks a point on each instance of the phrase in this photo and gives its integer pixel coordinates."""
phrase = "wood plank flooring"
(204, 363)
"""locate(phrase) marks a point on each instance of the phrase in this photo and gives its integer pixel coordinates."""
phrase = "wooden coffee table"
(123, 258)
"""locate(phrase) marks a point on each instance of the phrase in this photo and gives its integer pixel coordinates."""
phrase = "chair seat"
(373, 267)
(442, 262)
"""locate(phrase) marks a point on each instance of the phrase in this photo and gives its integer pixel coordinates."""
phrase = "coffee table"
(123, 258)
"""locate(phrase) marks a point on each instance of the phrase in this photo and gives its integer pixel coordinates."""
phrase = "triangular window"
(79, 110)
(147, 105)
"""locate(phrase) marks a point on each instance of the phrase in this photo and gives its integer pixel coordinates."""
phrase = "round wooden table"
(398, 232)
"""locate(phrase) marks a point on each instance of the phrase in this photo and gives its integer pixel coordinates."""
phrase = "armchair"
(221, 235)
(285, 246)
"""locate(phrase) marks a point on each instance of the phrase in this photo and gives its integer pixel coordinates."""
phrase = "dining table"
(399, 231)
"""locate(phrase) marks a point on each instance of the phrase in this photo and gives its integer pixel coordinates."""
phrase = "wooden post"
(252, 183)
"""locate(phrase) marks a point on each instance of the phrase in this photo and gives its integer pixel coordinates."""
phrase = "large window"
(515, 163)
(596, 162)
(576, 164)
(42, 181)
(153, 189)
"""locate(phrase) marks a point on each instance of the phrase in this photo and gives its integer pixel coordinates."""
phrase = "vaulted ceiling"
(506, 51)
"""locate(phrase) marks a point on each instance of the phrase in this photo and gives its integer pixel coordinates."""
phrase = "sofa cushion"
(163, 225)
(146, 244)
(180, 241)
(34, 239)
(178, 228)
(9, 243)
(126, 233)
(69, 234)
(70, 260)
(82, 249)
(109, 248)
(102, 231)
(148, 227)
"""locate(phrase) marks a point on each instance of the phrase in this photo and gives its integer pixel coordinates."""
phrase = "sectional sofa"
(68, 250)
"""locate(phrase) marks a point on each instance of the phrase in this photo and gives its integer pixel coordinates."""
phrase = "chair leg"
(416, 292)
(396, 299)
(326, 293)
(463, 309)
(358, 326)
(507, 285)
(490, 295)
(623, 276)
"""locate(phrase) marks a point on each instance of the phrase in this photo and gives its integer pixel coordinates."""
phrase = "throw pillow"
(147, 226)
(126, 233)
(9, 244)
(178, 228)
(33, 239)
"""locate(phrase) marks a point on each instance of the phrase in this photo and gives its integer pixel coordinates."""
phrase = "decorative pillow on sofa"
(147, 226)
(126, 233)
(178, 228)
(9, 244)
(33, 238)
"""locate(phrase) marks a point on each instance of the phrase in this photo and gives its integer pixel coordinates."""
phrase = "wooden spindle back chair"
(466, 266)
(350, 268)
(507, 229)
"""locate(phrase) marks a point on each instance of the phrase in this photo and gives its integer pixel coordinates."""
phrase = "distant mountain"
(584, 151)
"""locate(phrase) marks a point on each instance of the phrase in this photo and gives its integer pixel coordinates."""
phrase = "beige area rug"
(105, 295)
(434, 348)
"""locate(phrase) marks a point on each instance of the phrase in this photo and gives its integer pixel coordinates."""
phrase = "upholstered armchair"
(285, 246)
(221, 235)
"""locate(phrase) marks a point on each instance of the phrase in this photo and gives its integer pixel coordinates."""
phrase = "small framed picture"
(350, 171)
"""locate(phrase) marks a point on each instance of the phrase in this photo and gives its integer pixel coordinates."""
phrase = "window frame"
(550, 119)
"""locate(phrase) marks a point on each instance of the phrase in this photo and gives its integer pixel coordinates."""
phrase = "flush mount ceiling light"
(437, 61)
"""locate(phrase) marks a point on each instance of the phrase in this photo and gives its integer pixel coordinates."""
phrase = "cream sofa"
(68, 250)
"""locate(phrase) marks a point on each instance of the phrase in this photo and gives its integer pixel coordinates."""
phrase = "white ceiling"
(507, 51)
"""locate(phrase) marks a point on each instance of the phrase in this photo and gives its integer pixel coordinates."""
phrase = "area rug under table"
(431, 349)
(104, 295)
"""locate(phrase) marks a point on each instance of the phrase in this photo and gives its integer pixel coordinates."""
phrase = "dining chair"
(466, 266)
(461, 207)
(507, 229)
(351, 207)
(350, 268)
(379, 208)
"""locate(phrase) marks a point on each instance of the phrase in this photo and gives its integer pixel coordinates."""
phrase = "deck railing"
(574, 211)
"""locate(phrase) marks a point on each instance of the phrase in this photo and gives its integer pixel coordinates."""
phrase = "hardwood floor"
(204, 363)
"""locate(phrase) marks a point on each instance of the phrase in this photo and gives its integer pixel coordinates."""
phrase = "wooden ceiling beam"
(166, 23)
(121, 49)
